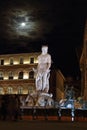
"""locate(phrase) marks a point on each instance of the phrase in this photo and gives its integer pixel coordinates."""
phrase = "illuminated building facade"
(16, 73)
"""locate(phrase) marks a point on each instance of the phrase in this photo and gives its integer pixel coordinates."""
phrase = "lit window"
(30, 89)
(20, 90)
(1, 90)
(10, 90)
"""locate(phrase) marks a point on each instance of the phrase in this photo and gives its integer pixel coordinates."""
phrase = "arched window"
(21, 60)
(10, 75)
(31, 60)
(31, 75)
(11, 61)
(20, 75)
(9, 90)
(20, 90)
(1, 75)
(30, 89)
(2, 62)
(1, 90)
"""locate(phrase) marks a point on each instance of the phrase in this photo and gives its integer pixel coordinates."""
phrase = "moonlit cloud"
(25, 21)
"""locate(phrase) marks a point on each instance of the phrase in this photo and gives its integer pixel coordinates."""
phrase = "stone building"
(60, 80)
(16, 75)
(83, 65)
(57, 81)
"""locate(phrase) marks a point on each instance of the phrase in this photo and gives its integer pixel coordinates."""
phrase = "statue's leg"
(44, 81)
(38, 83)
(47, 83)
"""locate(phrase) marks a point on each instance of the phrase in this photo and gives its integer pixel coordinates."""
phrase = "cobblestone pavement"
(42, 125)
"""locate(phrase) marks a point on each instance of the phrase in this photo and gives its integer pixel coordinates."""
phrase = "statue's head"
(44, 49)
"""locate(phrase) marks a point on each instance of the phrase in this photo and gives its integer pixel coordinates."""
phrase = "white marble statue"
(45, 100)
(43, 70)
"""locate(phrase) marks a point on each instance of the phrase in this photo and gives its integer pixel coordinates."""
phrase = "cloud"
(37, 17)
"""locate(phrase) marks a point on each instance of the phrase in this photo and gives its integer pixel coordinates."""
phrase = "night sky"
(28, 24)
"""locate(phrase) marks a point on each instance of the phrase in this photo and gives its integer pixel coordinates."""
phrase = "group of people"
(10, 107)
(69, 93)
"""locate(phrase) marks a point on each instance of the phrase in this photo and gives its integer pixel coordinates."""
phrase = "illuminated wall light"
(16, 62)
(35, 61)
(25, 76)
(15, 77)
(25, 91)
(6, 63)
(29, 60)
(26, 62)
(5, 78)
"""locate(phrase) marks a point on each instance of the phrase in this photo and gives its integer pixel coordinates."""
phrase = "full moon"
(23, 24)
